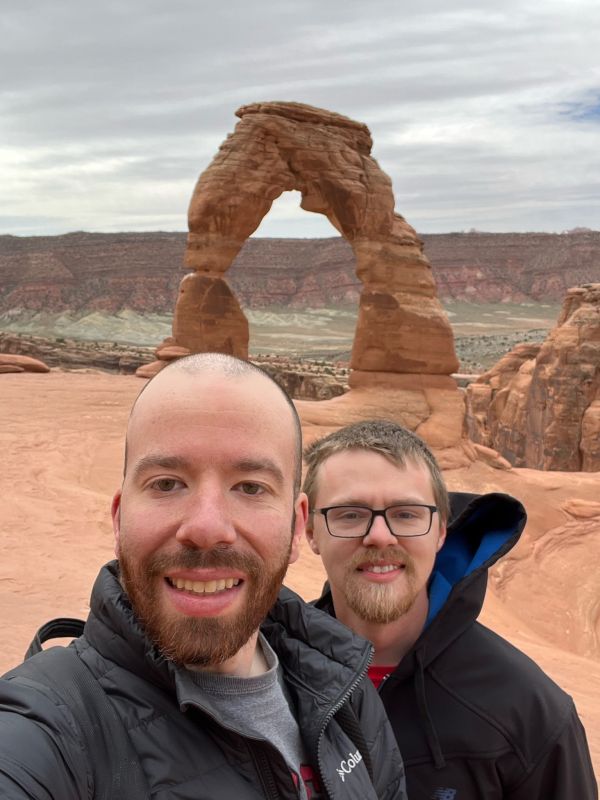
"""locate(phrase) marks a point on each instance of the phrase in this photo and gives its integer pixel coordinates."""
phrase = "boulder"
(6, 368)
(171, 352)
(26, 362)
(150, 370)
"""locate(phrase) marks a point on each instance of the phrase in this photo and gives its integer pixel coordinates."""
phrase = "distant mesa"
(539, 406)
(115, 273)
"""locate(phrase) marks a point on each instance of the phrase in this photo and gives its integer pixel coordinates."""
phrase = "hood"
(481, 530)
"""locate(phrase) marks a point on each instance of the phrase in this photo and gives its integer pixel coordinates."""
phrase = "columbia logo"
(443, 794)
(346, 767)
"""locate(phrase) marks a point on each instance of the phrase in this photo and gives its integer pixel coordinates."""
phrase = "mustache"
(366, 556)
(205, 559)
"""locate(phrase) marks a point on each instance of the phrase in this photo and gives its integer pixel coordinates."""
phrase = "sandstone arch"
(403, 351)
(278, 147)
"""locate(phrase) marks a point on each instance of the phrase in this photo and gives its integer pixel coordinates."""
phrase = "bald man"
(226, 685)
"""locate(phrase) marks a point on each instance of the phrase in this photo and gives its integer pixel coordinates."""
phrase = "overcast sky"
(485, 115)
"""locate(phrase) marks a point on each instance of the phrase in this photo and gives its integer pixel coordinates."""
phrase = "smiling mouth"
(380, 568)
(204, 587)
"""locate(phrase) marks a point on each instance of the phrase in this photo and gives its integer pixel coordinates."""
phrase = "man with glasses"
(473, 716)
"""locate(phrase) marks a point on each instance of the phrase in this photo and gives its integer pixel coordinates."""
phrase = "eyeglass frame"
(377, 512)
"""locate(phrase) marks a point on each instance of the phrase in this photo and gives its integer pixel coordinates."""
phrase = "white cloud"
(483, 115)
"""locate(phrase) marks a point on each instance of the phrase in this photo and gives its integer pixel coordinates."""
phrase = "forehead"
(355, 472)
(211, 411)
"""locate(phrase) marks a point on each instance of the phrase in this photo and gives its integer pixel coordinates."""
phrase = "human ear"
(300, 517)
(310, 536)
(441, 537)
(115, 510)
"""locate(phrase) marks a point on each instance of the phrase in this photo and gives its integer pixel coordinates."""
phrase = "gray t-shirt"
(258, 708)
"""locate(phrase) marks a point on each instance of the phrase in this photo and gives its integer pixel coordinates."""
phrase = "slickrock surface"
(540, 406)
(278, 147)
(62, 460)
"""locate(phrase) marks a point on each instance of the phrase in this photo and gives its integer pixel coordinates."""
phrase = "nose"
(379, 534)
(206, 520)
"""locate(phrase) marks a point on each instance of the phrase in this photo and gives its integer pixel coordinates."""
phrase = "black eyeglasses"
(354, 522)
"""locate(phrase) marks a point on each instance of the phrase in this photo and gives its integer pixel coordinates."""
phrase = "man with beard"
(474, 717)
(207, 520)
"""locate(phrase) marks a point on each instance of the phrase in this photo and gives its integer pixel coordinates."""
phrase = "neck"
(246, 663)
(391, 640)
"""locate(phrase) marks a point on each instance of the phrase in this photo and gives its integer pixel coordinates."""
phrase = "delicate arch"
(278, 147)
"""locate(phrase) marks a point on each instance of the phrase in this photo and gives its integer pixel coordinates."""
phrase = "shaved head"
(212, 364)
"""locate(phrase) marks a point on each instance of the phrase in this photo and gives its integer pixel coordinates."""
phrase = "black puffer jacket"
(186, 751)
(473, 716)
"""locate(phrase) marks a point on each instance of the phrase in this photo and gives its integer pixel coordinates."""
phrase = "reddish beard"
(201, 641)
(380, 603)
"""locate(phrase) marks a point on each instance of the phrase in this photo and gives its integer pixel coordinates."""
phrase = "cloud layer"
(484, 116)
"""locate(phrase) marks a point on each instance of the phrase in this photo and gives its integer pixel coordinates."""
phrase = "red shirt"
(379, 674)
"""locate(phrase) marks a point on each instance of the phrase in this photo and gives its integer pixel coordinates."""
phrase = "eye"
(250, 489)
(349, 513)
(165, 485)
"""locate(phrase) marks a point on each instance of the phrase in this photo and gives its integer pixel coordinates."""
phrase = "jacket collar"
(319, 656)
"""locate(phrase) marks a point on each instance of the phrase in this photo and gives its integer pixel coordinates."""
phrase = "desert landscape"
(62, 445)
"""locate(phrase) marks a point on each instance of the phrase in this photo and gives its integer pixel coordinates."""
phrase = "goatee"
(380, 603)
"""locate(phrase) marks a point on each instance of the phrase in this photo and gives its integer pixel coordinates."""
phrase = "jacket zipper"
(265, 774)
(331, 713)
(259, 758)
(383, 680)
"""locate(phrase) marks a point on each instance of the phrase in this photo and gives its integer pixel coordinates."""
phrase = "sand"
(61, 439)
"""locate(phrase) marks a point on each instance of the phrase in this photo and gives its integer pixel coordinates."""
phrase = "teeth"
(386, 568)
(205, 587)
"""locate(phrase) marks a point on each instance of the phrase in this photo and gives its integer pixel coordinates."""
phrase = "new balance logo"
(346, 767)
(443, 794)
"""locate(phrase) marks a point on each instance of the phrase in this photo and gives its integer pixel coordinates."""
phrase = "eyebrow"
(260, 465)
(162, 461)
(246, 465)
(405, 501)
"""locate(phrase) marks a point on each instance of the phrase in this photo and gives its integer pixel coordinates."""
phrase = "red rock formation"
(278, 147)
(540, 407)
(403, 351)
(26, 363)
(6, 368)
(208, 318)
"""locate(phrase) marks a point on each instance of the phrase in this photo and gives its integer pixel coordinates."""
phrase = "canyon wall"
(112, 271)
(539, 406)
